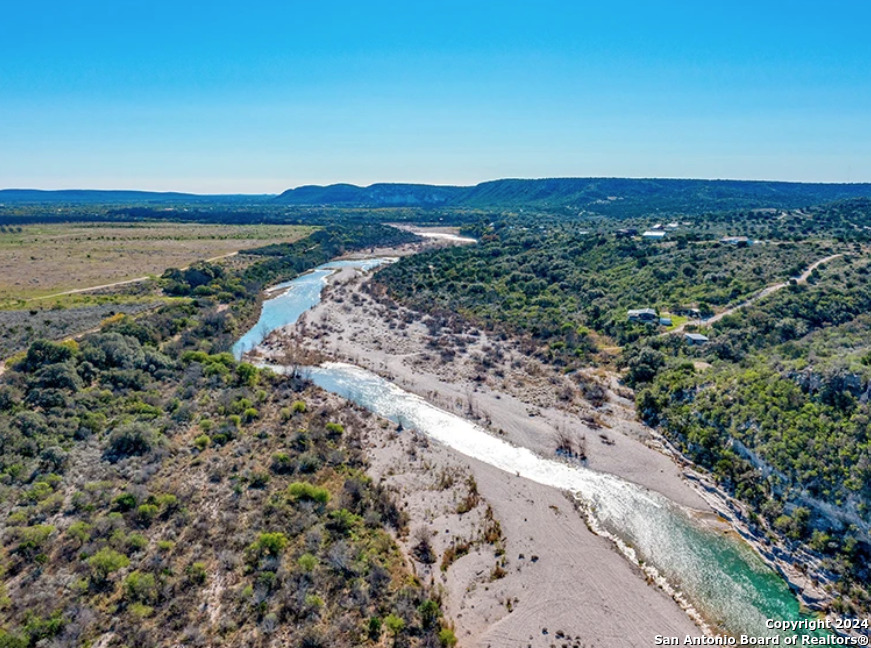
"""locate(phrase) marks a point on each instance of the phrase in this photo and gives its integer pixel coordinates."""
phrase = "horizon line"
(430, 184)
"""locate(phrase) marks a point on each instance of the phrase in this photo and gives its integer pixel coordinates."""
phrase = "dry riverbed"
(517, 564)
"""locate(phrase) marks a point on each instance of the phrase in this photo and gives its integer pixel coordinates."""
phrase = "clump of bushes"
(132, 439)
(303, 491)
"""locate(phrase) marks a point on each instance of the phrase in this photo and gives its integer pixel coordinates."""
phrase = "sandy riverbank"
(578, 584)
(486, 380)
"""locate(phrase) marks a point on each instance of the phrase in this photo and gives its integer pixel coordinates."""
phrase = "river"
(715, 575)
(295, 297)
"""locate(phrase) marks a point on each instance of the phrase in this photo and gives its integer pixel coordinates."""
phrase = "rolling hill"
(606, 196)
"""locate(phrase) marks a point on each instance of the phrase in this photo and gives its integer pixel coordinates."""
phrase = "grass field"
(42, 260)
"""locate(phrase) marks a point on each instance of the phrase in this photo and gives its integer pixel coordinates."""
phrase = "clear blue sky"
(260, 96)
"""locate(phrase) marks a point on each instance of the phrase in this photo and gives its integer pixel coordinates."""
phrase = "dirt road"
(120, 283)
(765, 292)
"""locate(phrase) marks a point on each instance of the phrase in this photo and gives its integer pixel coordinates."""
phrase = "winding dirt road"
(765, 292)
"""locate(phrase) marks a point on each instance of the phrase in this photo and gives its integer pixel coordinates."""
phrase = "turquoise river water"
(716, 576)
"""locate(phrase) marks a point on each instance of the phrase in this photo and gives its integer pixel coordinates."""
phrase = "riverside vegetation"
(775, 407)
(156, 492)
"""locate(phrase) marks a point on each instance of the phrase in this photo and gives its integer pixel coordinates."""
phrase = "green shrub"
(307, 562)
(202, 442)
(43, 353)
(247, 374)
(429, 613)
(106, 562)
(394, 624)
(303, 491)
(259, 479)
(140, 610)
(167, 502)
(133, 439)
(80, 531)
(39, 491)
(298, 407)
(314, 602)
(40, 629)
(8, 640)
(140, 587)
(373, 629)
(271, 544)
(342, 521)
(146, 513)
(196, 573)
(124, 502)
(32, 541)
(447, 638)
(281, 463)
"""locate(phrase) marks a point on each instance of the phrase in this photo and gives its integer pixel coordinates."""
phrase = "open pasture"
(41, 260)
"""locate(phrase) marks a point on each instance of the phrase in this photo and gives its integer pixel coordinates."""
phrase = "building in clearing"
(736, 240)
(654, 235)
(665, 321)
(689, 311)
(695, 338)
(642, 315)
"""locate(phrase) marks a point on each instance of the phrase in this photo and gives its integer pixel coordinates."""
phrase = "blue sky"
(261, 96)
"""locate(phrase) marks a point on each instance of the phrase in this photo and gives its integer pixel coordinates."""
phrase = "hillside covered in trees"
(555, 197)
(561, 284)
(775, 406)
(604, 196)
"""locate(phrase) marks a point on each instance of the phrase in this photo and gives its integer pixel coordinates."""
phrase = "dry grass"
(46, 259)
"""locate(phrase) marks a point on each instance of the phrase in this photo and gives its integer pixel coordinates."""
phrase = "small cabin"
(696, 339)
(665, 321)
(740, 241)
(642, 315)
(654, 235)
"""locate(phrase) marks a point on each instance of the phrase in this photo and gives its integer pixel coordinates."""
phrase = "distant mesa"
(387, 194)
(598, 195)
(113, 196)
(601, 196)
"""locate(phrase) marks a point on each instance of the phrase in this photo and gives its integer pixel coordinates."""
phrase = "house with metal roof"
(642, 315)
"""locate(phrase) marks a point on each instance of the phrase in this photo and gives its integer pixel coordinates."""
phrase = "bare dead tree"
(571, 444)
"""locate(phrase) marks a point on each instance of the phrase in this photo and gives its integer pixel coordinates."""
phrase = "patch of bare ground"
(514, 562)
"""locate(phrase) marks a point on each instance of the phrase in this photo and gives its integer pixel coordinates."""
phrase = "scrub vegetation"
(561, 284)
(156, 492)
